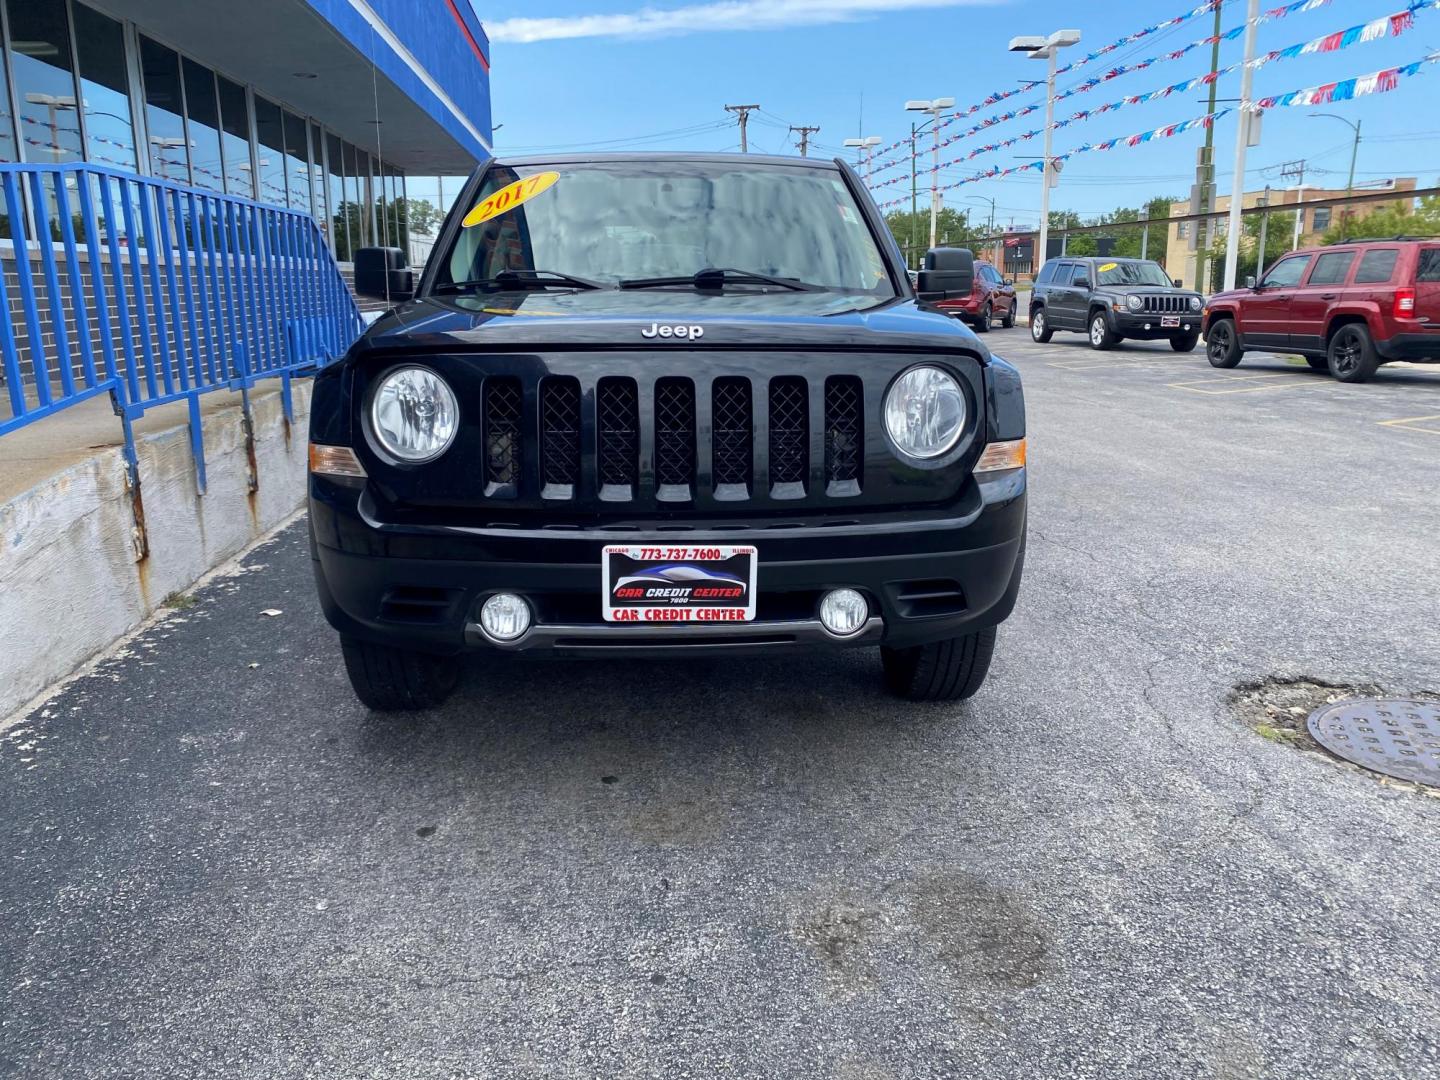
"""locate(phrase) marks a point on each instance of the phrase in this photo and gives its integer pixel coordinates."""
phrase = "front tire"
(942, 670)
(1101, 336)
(1222, 344)
(1008, 319)
(1352, 357)
(1040, 331)
(1185, 342)
(387, 679)
(985, 319)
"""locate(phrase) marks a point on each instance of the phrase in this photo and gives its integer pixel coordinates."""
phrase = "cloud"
(702, 18)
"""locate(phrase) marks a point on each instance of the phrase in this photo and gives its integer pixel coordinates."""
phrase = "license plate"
(1169, 320)
(662, 584)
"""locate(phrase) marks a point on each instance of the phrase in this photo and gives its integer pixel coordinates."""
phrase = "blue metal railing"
(153, 292)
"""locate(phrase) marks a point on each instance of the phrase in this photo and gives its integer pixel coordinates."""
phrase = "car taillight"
(1404, 303)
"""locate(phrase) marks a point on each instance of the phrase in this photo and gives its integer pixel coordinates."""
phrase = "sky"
(577, 75)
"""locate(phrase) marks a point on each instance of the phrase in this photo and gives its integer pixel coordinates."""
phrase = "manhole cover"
(1388, 735)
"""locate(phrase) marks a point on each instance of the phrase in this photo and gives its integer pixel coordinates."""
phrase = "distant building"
(1180, 250)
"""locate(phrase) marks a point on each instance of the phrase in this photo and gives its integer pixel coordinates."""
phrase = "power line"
(805, 132)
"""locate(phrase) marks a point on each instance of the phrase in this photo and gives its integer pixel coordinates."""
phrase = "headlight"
(925, 412)
(1134, 303)
(413, 414)
(1195, 303)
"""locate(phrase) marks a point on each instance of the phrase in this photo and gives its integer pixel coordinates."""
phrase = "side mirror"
(382, 273)
(1081, 283)
(1007, 281)
(1177, 283)
(949, 274)
(1250, 281)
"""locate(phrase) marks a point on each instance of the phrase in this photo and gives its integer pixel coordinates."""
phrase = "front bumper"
(928, 576)
(1145, 326)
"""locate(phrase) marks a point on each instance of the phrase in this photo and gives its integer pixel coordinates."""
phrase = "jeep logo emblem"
(655, 330)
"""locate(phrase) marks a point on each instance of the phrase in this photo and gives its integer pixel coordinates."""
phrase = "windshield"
(1132, 273)
(614, 221)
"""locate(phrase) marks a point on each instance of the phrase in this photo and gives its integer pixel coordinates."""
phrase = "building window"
(297, 162)
(7, 123)
(1320, 219)
(1182, 231)
(104, 89)
(235, 137)
(270, 136)
(204, 117)
(44, 80)
(339, 205)
(164, 112)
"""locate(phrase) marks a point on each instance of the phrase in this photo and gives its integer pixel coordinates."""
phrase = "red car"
(992, 297)
(1346, 308)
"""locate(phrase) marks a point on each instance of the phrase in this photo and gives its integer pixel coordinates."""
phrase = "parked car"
(1110, 300)
(991, 298)
(665, 405)
(1347, 308)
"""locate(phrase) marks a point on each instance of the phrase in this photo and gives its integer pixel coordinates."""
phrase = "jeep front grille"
(789, 437)
(559, 436)
(670, 440)
(502, 436)
(1166, 304)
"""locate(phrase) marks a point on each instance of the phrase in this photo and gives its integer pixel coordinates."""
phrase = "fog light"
(843, 611)
(505, 617)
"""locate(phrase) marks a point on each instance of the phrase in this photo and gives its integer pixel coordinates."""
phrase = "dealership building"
(320, 106)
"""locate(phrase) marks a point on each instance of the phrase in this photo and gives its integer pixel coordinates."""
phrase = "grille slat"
(617, 410)
(1167, 305)
(559, 437)
(789, 437)
(674, 439)
(732, 438)
(501, 417)
(844, 434)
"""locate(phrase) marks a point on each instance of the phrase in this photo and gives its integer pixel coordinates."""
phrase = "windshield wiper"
(521, 279)
(717, 278)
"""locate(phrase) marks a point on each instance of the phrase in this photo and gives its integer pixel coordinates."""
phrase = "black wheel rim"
(1347, 354)
(1219, 344)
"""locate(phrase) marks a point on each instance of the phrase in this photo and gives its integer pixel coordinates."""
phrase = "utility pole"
(1242, 140)
(743, 112)
(1297, 170)
(805, 133)
(1205, 167)
(1346, 214)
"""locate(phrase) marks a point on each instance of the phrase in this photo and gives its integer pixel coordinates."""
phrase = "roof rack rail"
(1384, 239)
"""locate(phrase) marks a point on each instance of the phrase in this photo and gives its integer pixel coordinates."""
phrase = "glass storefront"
(88, 87)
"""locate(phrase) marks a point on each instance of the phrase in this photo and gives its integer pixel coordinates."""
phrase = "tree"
(1388, 221)
(1278, 233)
(422, 216)
(912, 231)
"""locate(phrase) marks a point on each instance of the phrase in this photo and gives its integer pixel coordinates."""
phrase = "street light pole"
(1242, 140)
(934, 108)
(862, 157)
(1047, 49)
(1354, 153)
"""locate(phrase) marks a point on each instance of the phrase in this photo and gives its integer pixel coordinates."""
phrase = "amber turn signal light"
(1002, 456)
(335, 461)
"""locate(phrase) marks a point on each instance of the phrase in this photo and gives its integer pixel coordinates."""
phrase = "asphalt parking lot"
(217, 864)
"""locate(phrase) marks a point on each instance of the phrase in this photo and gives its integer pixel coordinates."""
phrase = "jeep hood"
(607, 318)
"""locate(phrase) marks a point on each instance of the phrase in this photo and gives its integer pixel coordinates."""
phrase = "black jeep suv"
(665, 405)
(1110, 300)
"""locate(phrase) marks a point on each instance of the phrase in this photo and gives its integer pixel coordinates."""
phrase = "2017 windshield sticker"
(1108, 266)
(508, 198)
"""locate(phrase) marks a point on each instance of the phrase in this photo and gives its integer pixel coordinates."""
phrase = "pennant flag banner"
(1377, 82)
(1386, 26)
(1297, 6)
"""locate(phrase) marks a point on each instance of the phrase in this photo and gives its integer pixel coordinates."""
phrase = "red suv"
(991, 297)
(1347, 308)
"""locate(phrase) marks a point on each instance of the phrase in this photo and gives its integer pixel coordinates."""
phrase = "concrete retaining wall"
(70, 582)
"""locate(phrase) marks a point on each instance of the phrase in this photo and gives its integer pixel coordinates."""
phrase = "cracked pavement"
(768, 868)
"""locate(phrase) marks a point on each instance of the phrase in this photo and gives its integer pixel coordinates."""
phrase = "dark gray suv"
(1110, 300)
